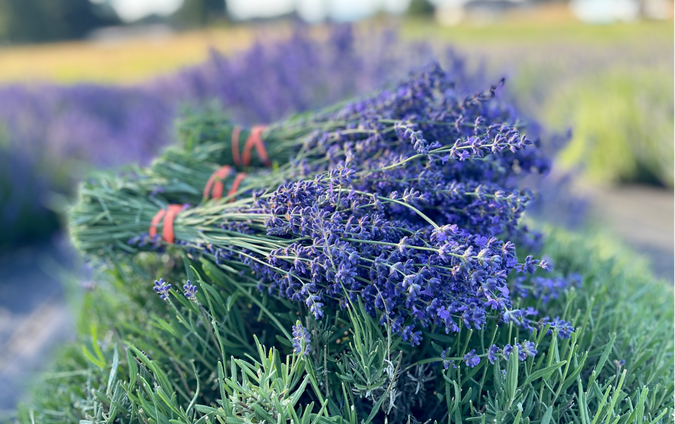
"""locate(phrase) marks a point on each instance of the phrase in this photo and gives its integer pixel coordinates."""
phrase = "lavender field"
(550, 128)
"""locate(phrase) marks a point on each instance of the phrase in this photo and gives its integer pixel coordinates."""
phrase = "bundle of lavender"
(324, 244)
(388, 188)
(397, 211)
(457, 158)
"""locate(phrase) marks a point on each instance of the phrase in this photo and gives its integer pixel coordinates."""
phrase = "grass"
(139, 360)
(622, 121)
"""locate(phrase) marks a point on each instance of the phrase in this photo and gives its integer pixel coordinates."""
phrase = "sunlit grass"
(122, 61)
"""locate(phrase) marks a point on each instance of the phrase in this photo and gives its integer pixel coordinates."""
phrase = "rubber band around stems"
(214, 186)
(235, 146)
(235, 184)
(254, 139)
(215, 182)
(168, 215)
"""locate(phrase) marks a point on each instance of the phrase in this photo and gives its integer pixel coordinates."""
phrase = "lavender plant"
(338, 261)
(184, 360)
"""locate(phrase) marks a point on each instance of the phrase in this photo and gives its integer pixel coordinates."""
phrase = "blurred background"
(90, 84)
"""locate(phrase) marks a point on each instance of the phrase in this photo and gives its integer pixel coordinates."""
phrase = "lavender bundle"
(368, 230)
(395, 122)
(324, 244)
(467, 175)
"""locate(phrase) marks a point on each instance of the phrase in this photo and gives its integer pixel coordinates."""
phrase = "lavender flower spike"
(162, 288)
(190, 290)
(301, 339)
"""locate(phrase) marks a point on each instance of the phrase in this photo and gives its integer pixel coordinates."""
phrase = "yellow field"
(118, 61)
(137, 59)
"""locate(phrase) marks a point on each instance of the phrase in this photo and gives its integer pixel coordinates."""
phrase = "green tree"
(200, 13)
(24, 21)
(421, 8)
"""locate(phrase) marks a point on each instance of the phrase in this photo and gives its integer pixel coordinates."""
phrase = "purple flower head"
(492, 354)
(508, 349)
(412, 274)
(528, 349)
(471, 359)
(564, 328)
(301, 339)
(162, 288)
(190, 290)
(447, 362)
(546, 265)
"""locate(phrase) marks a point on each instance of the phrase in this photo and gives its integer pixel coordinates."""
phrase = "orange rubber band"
(168, 215)
(216, 182)
(255, 139)
(235, 146)
(152, 232)
(167, 231)
(235, 184)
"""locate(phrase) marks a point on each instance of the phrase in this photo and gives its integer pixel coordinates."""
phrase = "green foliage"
(49, 20)
(623, 125)
(421, 8)
(144, 360)
(200, 13)
(368, 367)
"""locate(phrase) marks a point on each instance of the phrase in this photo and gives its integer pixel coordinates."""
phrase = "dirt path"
(643, 217)
(34, 318)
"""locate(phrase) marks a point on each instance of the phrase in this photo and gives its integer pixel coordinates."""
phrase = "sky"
(311, 10)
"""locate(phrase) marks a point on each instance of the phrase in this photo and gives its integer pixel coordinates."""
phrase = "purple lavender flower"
(508, 349)
(564, 328)
(471, 359)
(162, 288)
(528, 349)
(340, 246)
(190, 290)
(427, 123)
(525, 349)
(492, 354)
(447, 362)
(301, 339)
(546, 288)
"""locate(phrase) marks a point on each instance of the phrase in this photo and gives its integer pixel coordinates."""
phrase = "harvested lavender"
(324, 244)
(466, 175)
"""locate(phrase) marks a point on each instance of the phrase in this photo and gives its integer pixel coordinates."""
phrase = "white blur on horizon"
(310, 10)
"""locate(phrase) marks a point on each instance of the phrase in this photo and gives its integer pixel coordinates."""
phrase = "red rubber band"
(168, 215)
(255, 139)
(235, 146)
(235, 184)
(216, 182)
(152, 232)
(167, 231)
